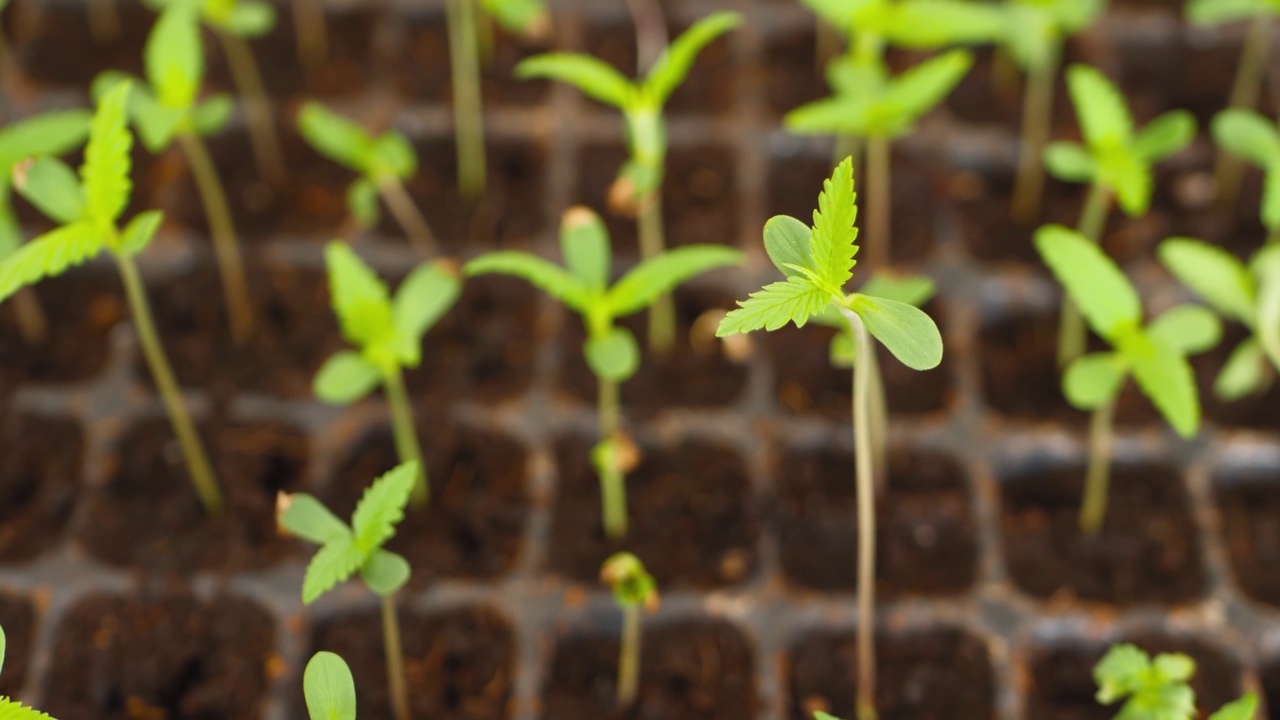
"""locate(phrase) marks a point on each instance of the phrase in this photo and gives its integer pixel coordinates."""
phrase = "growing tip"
(20, 172)
(283, 501)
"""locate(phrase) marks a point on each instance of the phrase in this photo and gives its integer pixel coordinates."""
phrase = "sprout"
(329, 688)
(1249, 136)
(1157, 689)
(635, 591)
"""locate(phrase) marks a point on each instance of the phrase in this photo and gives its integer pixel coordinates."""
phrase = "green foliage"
(524, 16)
(632, 584)
(1157, 689)
(1217, 12)
(329, 689)
(52, 133)
(1252, 137)
(1243, 708)
(347, 549)
(241, 18)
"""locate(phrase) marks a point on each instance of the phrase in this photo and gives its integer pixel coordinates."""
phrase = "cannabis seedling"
(388, 334)
(1157, 689)
(638, 188)
(329, 689)
(1155, 355)
(53, 133)
(384, 164)
(611, 352)
(817, 263)
(1115, 160)
(1247, 135)
(168, 108)
(348, 549)
(636, 592)
(88, 209)
(1248, 294)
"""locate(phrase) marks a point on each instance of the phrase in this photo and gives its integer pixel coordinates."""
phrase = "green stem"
(1037, 117)
(879, 415)
(613, 489)
(629, 657)
(406, 436)
(395, 658)
(192, 450)
(311, 31)
(393, 192)
(221, 226)
(468, 122)
(879, 203)
(864, 456)
(32, 323)
(104, 21)
(1093, 507)
(257, 106)
(1245, 90)
(1071, 329)
(662, 315)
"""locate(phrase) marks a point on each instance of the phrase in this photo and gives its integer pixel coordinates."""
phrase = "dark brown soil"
(149, 516)
(55, 46)
(1184, 74)
(458, 664)
(18, 618)
(40, 462)
(689, 669)
(692, 518)
(1250, 502)
(1148, 550)
(793, 76)
(1270, 678)
(473, 523)
(929, 675)
(174, 656)
(925, 536)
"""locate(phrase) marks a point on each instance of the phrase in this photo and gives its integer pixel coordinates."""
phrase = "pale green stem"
(613, 489)
(406, 436)
(311, 31)
(1245, 90)
(104, 21)
(864, 456)
(879, 414)
(629, 657)
(31, 320)
(192, 449)
(1093, 507)
(406, 213)
(662, 315)
(468, 120)
(1071, 330)
(879, 203)
(257, 106)
(395, 658)
(1037, 117)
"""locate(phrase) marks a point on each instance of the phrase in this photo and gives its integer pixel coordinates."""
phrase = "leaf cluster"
(582, 284)
(817, 263)
(1155, 355)
(348, 549)
(1217, 12)
(523, 16)
(246, 19)
(329, 689)
(52, 133)
(1156, 689)
(387, 331)
(1114, 154)
(1251, 137)
(631, 583)
(376, 159)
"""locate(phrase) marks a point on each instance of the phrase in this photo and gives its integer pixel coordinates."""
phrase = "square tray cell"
(55, 46)
(18, 618)
(40, 467)
(1249, 498)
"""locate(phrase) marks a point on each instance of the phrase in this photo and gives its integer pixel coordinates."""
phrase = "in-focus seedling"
(1157, 689)
(388, 334)
(638, 188)
(611, 352)
(329, 689)
(1249, 136)
(348, 549)
(88, 210)
(384, 163)
(636, 592)
(1155, 355)
(817, 263)
(1115, 161)
(1248, 294)
(168, 108)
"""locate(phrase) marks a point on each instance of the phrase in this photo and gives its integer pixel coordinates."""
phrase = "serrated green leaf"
(673, 65)
(919, 89)
(49, 255)
(332, 564)
(335, 137)
(393, 155)
(1213, 273)
(382, 507)
(592, 77)
(1101, 109)
(584, 242)
(14, 710)
(913, 290)
(614, 356)
(174, 56)
(1166, 378)
(52, 187)
(249, 19)
(1217, 12)
(786, 240)
(1092, 380)
(908, 333)
(329, 689)
(106, 159)
(51, 133)
(1190, 329)
(345, 377)
(137, 235)
(359, 297)
(424, 297)
(1070, 162)
(1096, 285)
(833, 243)
(362, 202)
(385, 573)
(1164, 136)
(550, 278)
(1243, 708)
(1244, 373)
(775, 305)
(212, 115)
(1120, 672)
(659, 275)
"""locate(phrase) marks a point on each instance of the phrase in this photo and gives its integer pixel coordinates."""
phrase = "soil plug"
(817, 263)
(1157, 689)
(348, 549)
(1115, 161)
(1248, 136)
(311, 32)
(329, 689)
(611, 352)
(167, 108)
(1155, 355)
(388, 334)
(384, 164)
(638, 188)
(88, 210)
(1248, 294)
(53, 133)
(636, 592)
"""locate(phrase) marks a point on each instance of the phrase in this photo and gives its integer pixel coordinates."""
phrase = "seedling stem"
(864, 457)
(464, 58)
(879, 203)
(104, 21)
(406, 436)
(1093, 508)
(662, 316)
(262, 131)
(629, 658)
(1244, 94)
(392, 189)
(1071, 330)
(1037, 117)
(395, 658)
(311, 31)
(31, 320)
(613, 489)
(848, 146)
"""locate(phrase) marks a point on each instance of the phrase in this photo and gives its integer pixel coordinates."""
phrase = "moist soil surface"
(1250, 502)
(17, 617)
(37, 483)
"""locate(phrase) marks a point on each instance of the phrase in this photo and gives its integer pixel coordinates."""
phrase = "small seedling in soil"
(168, 108)
(88, 209)
(1115, 160)
(1155, 355)
(1248, 294)
(384, 162)
(1157, 689)
(53, 133)
(638, 188)
(348, 549)
(1249, 136)
(611, 352)
(635, 592)
(329, 689)
(817, 263)
(388, 332)
(12, 709)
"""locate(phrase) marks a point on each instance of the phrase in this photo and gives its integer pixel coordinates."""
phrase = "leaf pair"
(1156, 355)
(1114, 155)
(329, 689)
(241, 18)
(1157, 689)
(345, 550)
(583, 284)
(817, 263)
(1252, 137)
(52, 133)
(1217, 12)
(389, 155)
(388, 331)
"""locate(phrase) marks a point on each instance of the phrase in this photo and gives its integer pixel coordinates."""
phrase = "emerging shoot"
(329, 689)
(1157, 689)
(1248, 136)
(636, 592)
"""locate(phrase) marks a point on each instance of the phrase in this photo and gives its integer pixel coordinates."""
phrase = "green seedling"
(1157, 689)
(167, 108)
(384, 163)
(1115, 161)
(348, 549)
(53, 133)
(88, 209)
(638, 189)
(1155, 355)
(329, 689)
(635, 592)
(1247, 135)
(1248, 294)
(527, 17)
(11, 709)
(817, 263)
(388, 334)
(611, 352)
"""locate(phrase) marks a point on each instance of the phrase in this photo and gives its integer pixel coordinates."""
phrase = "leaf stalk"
(405, 434)
(629, 656)
(1245, 91)
(879, 202)
(662, 315)
(864, 456)
(31, 318)
(1071, 329)
(1037, 117)
(311, 31)
(613, 491)
(1093, 506)
(406, 213)
(395, 658)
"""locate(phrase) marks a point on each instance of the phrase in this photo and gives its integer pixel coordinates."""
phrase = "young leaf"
(906, 331)
(137, 235)
(819, 715)
(359, 297)
(584, 242)
(775, 305)
(917, 90)
(250, 19)
(385, 572)
(786, 240)
(213, 114)
(106, 158)
(614, 356)
(1244, 373)
(1164, 136)
(174, 56)
(594, 78)
(1217, 12)
(1190, 329)
(306, 517)
(329, 688)
(658, 275)
(912, 290)
(382, 506)
(1130, 179)
(1101, 291)
(393, 155)
(1093, 379)
(1243, 708)
(516, 15)
(1070, 162)
(345, 377)
(1104, 116)
(1213, 273)
(1267, 267)
(424, 297)
(1166, 378)
(48, 255)
(552, 279)
(14, 710)
(833, 241)
(673, 65)
(334, 563)
(1120, 672)
(335, 137)
(1248, 135)
(52, 187)
(1271, 198)
(362, 202)
(51, 133)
